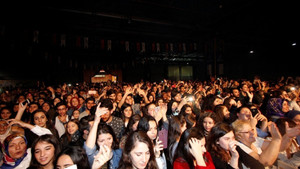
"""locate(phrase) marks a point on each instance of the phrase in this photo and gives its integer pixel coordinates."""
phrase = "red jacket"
(180, 163)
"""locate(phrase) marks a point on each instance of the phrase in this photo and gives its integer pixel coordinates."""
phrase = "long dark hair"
(78, 156)
(219, 112)
(200, 121)
(124, 106)
(69, 136)
(106, 129)
(49, 123)
(183, 148)
(144, 124)
(133, 138)
(174, 132)
(184, 107)
(132, 120)
(218, 131)
(51, 139)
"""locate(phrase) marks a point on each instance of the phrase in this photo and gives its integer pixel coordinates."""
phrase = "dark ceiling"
(237, 21)
(267, 27)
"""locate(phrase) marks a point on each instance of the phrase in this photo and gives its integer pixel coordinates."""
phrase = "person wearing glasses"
(61, 119)
(265, 151)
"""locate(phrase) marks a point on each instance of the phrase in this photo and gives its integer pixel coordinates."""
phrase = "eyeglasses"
(247, 132)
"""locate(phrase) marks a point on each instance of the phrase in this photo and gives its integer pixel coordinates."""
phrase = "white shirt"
(60, 126)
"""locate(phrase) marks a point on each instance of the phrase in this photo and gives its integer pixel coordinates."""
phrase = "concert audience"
(152, 125)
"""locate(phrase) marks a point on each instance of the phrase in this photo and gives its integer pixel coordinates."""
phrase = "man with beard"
(116, 123)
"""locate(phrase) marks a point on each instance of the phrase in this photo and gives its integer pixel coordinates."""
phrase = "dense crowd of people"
(218, 123)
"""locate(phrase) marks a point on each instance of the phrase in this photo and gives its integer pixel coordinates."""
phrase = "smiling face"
(76, 114)
(46, 107)
(72, 127)
(75, 102)
(5, 114)
(62, 110)
(44, 153)
(140, 155)
(285, 107)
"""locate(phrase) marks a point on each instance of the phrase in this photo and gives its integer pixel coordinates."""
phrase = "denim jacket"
(113, 162)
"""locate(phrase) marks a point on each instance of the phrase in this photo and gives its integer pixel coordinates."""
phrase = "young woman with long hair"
(138, 152)
(221, 144)
(44, 151)
(191, 152)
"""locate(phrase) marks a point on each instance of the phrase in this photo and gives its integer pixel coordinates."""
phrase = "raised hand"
(157, 115)
(100, 111)
(22, 107)
(253, 120)
(128, 90)
(234, 161)
(158, 147)
(14, 121)
(292, 132)
(250, 95)
(232, 148)
(51, 89)
(197, 149)
(274, 131)
(260, 117)
(104, 155)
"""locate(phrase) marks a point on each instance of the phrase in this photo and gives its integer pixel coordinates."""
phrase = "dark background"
(224, 32)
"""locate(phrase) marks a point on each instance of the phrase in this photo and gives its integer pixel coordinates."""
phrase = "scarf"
(8, 162)
(274, 107)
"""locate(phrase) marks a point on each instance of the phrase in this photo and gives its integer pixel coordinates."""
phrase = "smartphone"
(190, 99)
(176, 112)
(254, 111)
(92, 92)
(26, 101)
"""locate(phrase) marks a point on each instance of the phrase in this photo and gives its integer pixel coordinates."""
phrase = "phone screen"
(92, 92)
(254, 111)
(26, 101)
